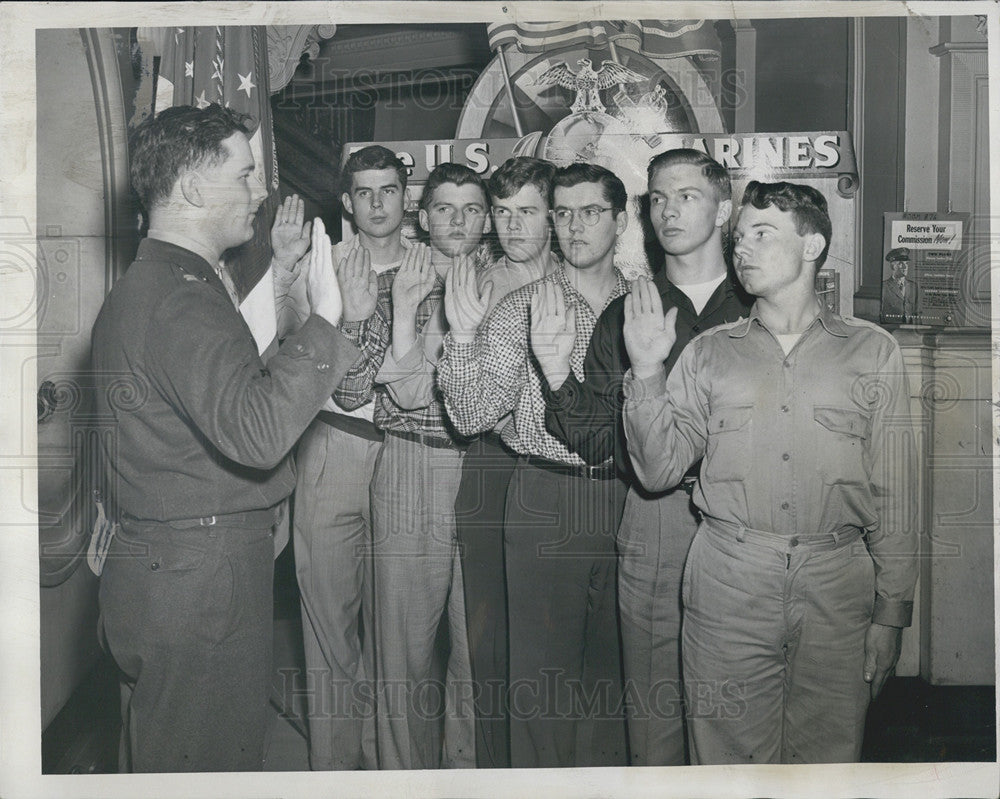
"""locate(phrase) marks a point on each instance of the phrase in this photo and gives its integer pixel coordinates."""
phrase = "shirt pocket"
(728, 451)
(843, 444)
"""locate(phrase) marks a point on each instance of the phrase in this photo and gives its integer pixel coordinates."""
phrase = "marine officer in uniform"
(198, 458)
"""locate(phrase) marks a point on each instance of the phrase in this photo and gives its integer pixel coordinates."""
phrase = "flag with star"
(227, 65)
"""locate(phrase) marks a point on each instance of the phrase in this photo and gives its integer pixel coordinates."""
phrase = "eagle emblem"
(588, 83)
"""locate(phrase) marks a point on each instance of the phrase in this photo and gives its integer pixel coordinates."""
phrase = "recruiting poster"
(923, 272)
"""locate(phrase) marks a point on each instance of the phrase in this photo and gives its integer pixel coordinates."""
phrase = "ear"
(813, 246)
(345, 200)
(424, 221)
(724, 213)
(190, 185)
(621, 222)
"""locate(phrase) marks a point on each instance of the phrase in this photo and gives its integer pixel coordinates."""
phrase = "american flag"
(227, 65)
(655, 38)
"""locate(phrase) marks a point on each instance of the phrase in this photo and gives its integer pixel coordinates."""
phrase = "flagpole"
(510, 91)
(614, 57)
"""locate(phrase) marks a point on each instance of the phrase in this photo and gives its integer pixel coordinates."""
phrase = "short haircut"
(374, 156)
(516, 173)
(806, 204)
(611, 186)
(448, 172)
(179, 138)
(714, 172)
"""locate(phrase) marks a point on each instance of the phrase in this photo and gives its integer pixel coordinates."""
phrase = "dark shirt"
(198, 425)
(586, 415)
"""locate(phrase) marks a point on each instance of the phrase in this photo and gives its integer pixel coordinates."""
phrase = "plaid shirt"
(497, 373)
(374, 336)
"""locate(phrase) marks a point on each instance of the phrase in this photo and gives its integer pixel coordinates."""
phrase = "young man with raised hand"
(560, 515)
(335, 462)
(801, 417)
(689, 206)
(418, 578)
(519, 197)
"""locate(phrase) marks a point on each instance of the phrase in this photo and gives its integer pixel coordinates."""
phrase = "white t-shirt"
(699, 293)
(787, 340)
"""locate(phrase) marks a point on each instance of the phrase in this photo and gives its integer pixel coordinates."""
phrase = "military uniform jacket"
(197, 424)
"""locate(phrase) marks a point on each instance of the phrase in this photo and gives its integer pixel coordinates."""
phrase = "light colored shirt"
(800, 444)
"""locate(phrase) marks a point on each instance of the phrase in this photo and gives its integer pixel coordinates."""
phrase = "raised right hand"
(413, 281)
(358, 285)
(464, 307)
(321, 280)
(649, 333)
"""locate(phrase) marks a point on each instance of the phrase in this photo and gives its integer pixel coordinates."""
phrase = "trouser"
(333, 561)
(653, 543)
(479, 513)
(187, 616)
(773, 646)
(565, 675)
(418, 584)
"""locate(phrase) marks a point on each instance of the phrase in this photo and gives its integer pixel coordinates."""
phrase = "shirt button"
(787, 364)
(299, 348)
(155, 565)
(323, 367)
(696, 329)
(784, 409)
(784, 506)
(785, 457)
(795, 541)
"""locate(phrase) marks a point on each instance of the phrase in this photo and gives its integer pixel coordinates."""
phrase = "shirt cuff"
(392, 370)
(459, 349)
(352, 331)
(638, 391)
(892, 612)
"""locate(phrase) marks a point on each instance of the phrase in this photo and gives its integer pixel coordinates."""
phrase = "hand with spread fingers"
(321, 279)
(465, 307)
(358, 285)
(290, 237)
(553, 332)
(412, 282)
(649, 333)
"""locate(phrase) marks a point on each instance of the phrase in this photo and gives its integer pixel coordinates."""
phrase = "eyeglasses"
(563, 216)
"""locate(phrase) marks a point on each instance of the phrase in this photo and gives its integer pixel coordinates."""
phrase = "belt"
(428, 441)
(354, 425)
(604, 472)
(251, 518)
(820, 542)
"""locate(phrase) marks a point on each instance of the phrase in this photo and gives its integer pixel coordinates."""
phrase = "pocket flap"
(732, 418)
(844, 420)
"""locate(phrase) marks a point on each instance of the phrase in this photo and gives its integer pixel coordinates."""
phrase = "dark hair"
(179, 138)
(448, 172)
(374, 156)
(611, 186)
(516, 173)
(714, 172)
(807, 206)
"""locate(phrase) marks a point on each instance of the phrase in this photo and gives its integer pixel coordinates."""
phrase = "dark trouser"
(653, 543)
(565, 674)
(187, 615)
(774, 646)
(479, 513)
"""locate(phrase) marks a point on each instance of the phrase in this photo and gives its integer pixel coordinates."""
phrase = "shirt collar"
(828, 320)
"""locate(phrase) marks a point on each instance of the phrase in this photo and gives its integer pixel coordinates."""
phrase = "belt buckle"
(207, 521)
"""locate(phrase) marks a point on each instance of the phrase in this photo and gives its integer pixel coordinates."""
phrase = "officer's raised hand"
(321, 280)
(649, 333)
(464, 306)
(553, 332)
(358, 285)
